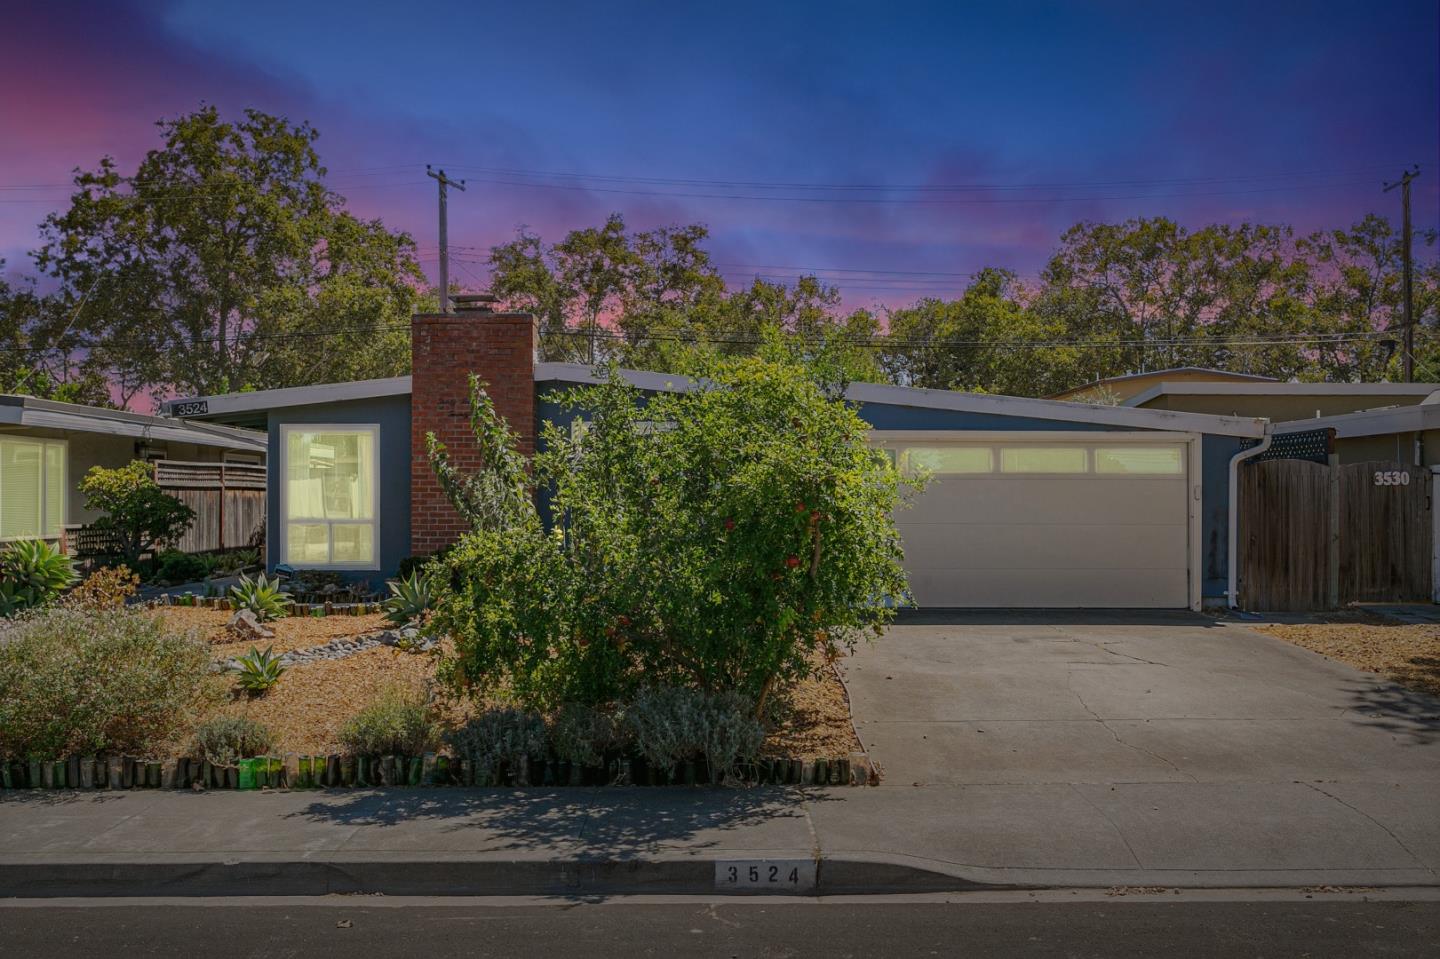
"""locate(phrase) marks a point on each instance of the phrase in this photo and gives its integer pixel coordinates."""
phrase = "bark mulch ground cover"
(312, 701)
(1406, 654)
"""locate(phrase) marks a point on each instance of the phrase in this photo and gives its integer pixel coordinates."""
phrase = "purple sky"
(1281, 112)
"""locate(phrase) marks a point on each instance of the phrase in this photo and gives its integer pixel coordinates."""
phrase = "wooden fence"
(228, 500)
(1315, 536)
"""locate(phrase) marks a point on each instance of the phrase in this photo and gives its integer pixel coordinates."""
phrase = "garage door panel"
(1096, 539)
(1060, 588)
(1043, 546)
(1010, 499)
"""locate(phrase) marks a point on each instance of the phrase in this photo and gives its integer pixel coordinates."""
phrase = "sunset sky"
(832, 137)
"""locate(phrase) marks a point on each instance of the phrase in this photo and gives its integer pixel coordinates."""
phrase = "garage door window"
(1151, 460)
(1044, 459)
(949, 460)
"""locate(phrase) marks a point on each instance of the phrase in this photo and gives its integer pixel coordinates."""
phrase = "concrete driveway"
(1169, 742)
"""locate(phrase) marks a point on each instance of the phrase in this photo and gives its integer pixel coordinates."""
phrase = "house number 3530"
(1392, 478)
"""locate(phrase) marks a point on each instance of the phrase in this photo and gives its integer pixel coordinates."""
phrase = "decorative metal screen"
(1312, 445)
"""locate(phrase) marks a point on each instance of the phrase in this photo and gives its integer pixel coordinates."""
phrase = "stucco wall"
(392, 415)
(1395, 447)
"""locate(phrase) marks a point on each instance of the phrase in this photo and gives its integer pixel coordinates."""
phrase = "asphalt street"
(1326, 925)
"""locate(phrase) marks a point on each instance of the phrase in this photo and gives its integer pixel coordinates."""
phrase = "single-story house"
(1407, 432)
(1117, 389)
(46, 448)
(1037, 503)
(1278, 402)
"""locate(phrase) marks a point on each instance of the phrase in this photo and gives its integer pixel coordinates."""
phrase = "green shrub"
(720, 553)
(142, 516)
(32, 574)
(261, 596)
(259, 670)
(410, 599)
(78, 681)
(232, 561)
(673, 724)
(582, 734)
(499, 737)
(396, 722)
(225, 740)
(173, 566)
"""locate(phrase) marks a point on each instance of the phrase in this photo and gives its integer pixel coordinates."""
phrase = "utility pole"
(445, 182)
(1407, 360)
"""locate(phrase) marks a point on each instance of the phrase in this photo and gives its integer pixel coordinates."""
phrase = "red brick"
(445, 350)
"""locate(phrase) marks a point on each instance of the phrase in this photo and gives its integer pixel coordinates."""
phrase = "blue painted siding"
(1215, 455)
(884, 416)
(392, 414)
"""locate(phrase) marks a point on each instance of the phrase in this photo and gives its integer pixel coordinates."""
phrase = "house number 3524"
(1392, 478)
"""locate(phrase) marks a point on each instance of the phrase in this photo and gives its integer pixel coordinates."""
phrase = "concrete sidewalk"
(885, 839)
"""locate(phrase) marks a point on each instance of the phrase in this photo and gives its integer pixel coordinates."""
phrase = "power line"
(916, 187)
(883, 341)
(893, 200)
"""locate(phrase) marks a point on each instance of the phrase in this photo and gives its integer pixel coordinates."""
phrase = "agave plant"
(32, 573)
(410, 599)
(261, 596)
(259, 670)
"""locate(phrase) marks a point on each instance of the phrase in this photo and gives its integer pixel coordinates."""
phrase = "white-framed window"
(329, 495)
(32, 487)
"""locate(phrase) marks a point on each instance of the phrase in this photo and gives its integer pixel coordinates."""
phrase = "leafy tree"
(216, 263)
(141, 515)
(721, 551)
(654, 300)
(38, 349)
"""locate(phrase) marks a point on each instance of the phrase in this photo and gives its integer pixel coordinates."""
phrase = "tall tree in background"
(38, 349)
(653, 299)
(215, 266)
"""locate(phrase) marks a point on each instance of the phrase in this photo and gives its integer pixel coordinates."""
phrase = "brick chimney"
(445, 349)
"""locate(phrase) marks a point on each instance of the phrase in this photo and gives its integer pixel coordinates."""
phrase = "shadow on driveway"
(1410, 716)
(1051, 617)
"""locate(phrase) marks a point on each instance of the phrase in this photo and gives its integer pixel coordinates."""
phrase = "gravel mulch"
(1408, 655)
(310, 704)
(291, 632)
(312, 701)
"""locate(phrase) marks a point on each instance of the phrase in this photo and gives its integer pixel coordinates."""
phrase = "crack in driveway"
(1069, 675)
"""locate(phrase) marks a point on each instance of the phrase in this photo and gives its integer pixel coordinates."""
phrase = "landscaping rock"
(245, 624)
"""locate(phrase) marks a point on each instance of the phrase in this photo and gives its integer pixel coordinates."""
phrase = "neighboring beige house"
(1115, 390)
(1279, 402)
(1403, 433)
(46, 448)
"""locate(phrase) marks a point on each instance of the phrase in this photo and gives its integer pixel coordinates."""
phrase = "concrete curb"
(489, 877)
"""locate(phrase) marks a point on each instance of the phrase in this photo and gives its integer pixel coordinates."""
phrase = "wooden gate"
(1314, 536)
(1386, 533)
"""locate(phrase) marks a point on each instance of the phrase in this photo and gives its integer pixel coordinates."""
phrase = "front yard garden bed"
(308, 708)
(1403, 653)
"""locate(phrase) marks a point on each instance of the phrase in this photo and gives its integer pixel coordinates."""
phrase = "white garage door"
(1086, 521)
